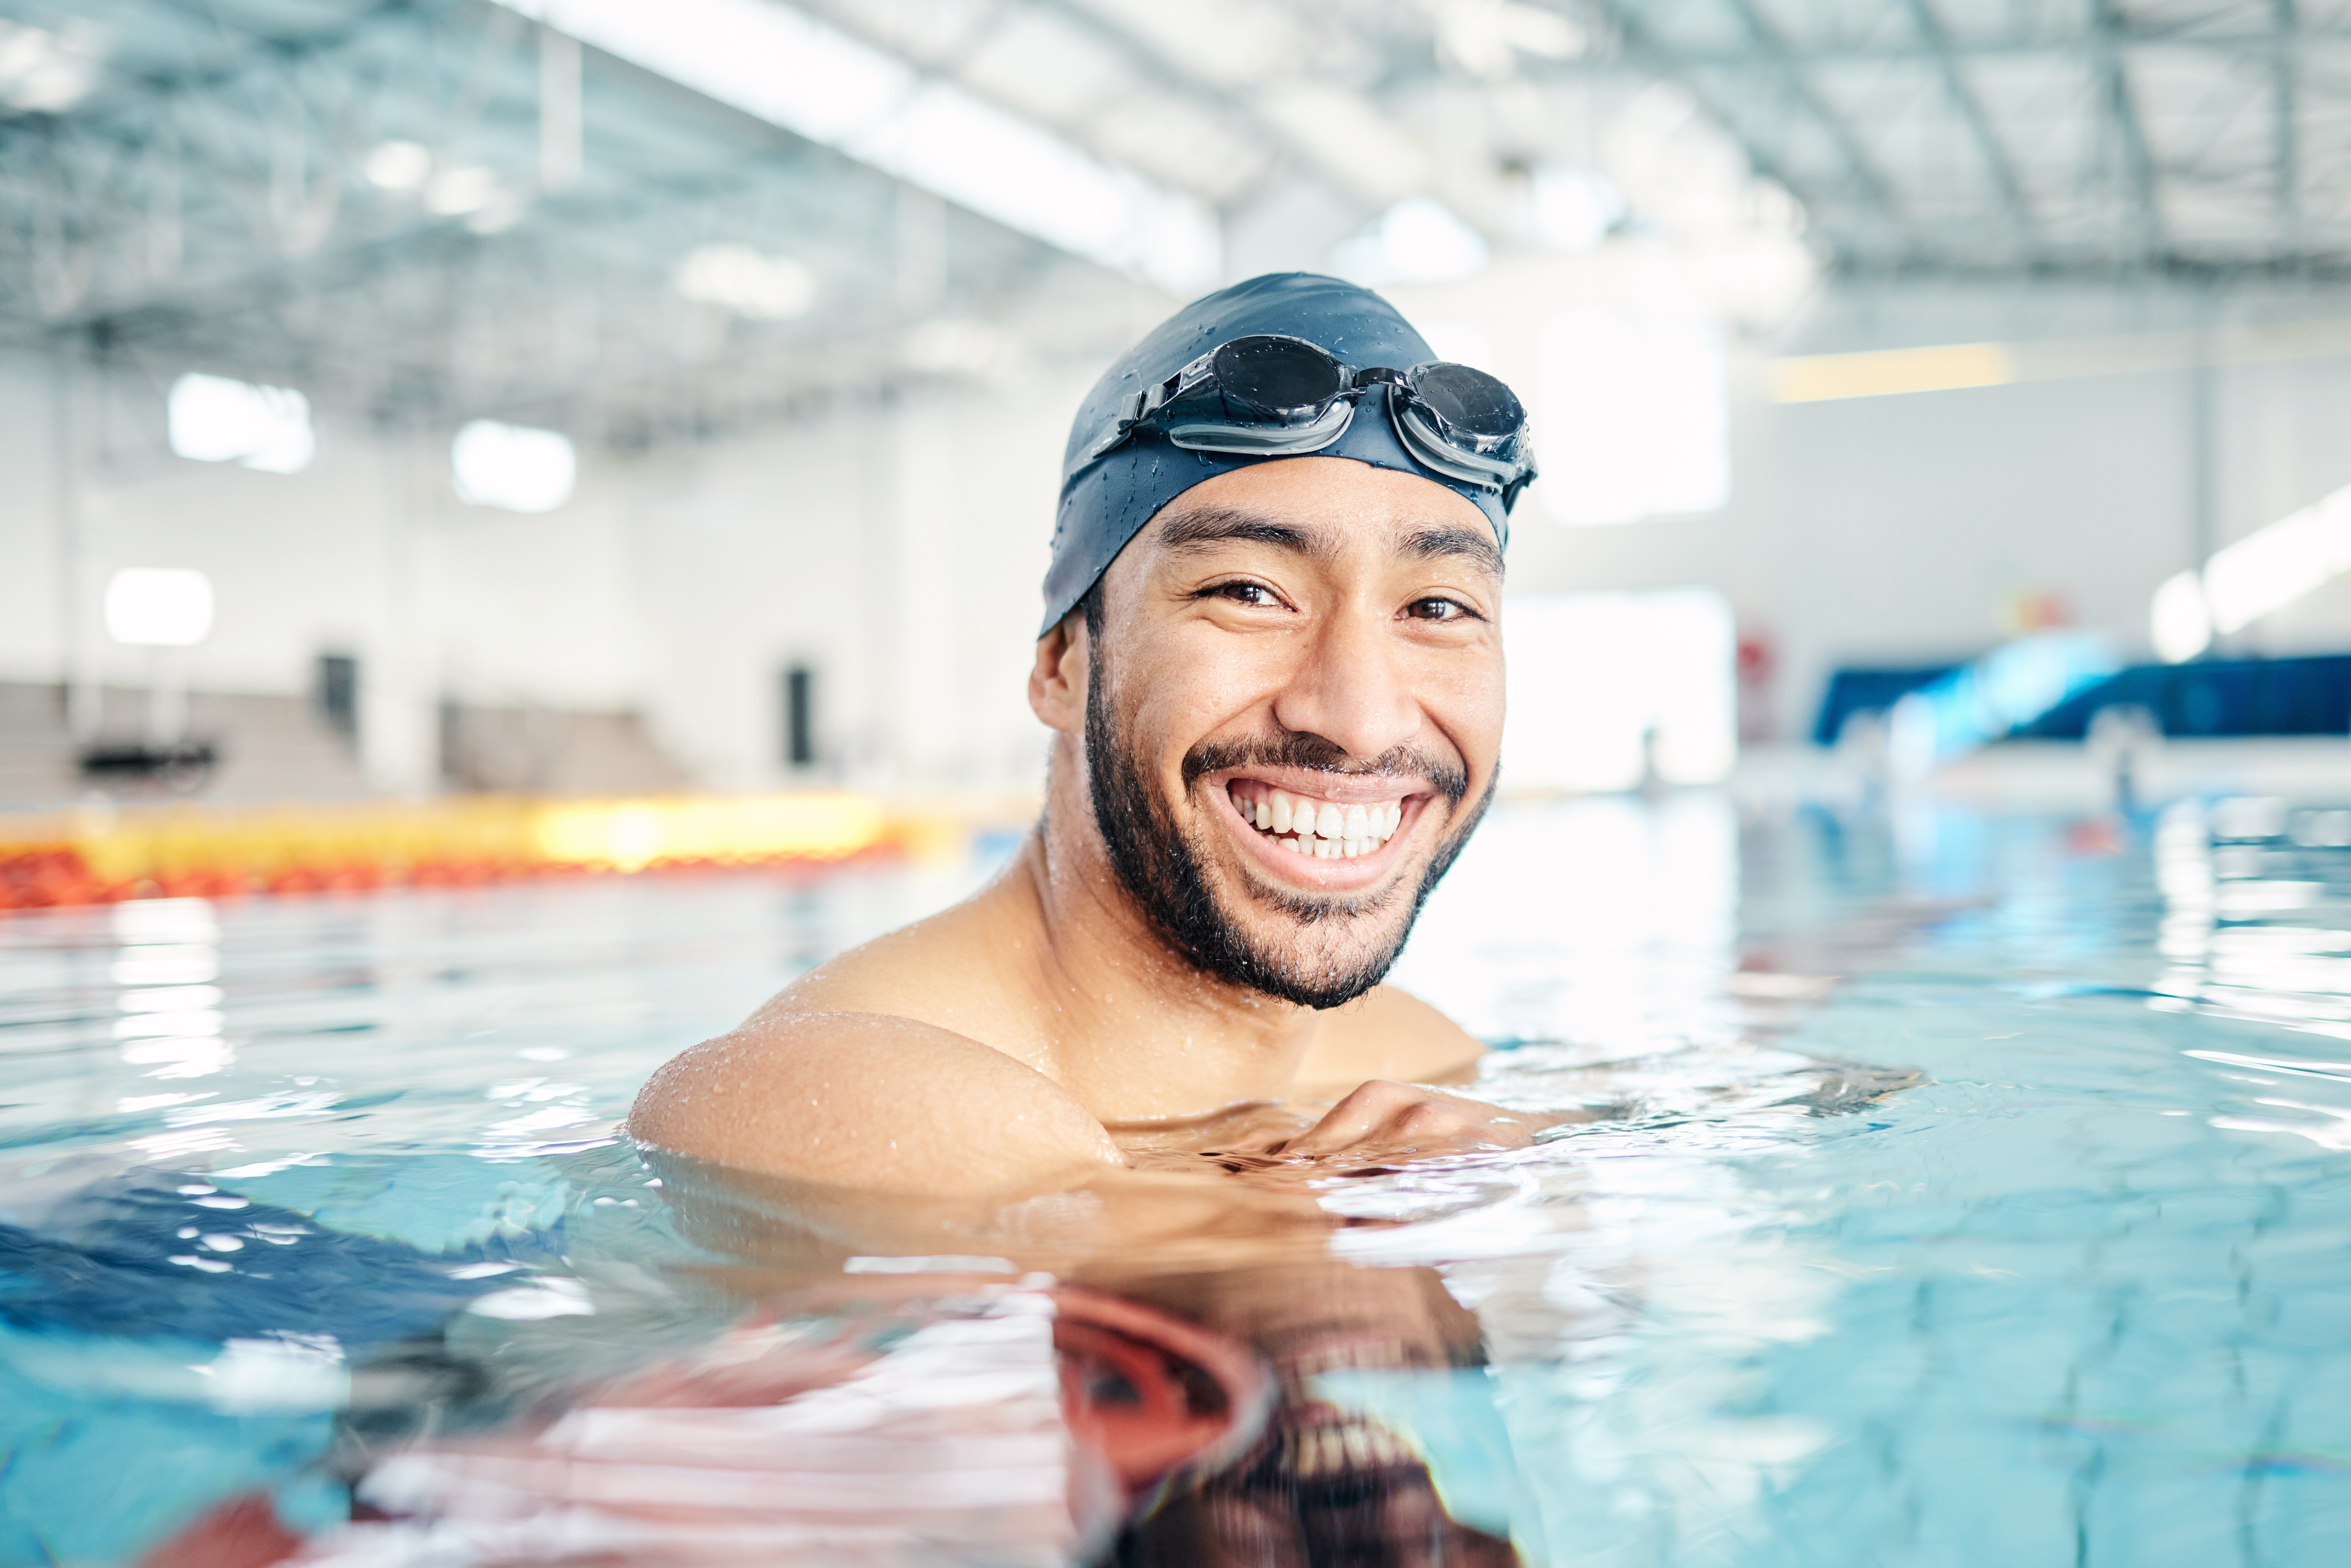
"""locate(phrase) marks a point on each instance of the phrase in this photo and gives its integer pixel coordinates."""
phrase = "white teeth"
(1325, 829)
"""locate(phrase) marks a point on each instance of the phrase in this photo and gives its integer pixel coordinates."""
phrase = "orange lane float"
(96, 854)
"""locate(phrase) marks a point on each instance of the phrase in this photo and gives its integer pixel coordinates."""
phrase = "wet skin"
(1024, 1041)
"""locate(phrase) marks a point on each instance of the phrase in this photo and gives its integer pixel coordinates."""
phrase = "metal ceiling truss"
(222, 217)
(2110, 137)
(210, 206)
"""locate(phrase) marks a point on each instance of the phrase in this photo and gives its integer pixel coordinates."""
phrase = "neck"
(1129, 1026)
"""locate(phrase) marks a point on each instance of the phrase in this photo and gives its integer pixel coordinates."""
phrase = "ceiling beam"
(1656, 53)
(1634, 42)
(1998, 164)
(2285, 89)
(1866, 178)
(2139, 175)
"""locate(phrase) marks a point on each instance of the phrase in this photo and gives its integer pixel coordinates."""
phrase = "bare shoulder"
(952, 969)
(1389, 1033)
(873, 1101)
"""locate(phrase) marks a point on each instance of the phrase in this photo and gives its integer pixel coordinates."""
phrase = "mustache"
(1311, 753)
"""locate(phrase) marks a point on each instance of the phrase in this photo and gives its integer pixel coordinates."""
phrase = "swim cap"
(1107, 501)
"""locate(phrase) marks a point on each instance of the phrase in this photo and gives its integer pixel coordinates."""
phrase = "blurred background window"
(215, 420)
(1636, 420)
(1612, 691)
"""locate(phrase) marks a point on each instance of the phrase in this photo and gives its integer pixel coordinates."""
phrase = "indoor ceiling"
(427, 209)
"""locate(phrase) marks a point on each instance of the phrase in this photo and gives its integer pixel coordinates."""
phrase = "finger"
(1392, 1118)
(1362, 1115)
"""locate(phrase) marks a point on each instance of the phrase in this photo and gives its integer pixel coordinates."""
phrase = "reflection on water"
(1967, 1191)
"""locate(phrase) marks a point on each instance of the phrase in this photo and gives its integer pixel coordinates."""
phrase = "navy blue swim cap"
(1107, 501)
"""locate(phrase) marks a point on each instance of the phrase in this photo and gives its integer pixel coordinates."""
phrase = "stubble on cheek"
(1201, 896)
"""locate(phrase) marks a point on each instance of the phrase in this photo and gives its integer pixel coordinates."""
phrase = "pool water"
(1967, 1190)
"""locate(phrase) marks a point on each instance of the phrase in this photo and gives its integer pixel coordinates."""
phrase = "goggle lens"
(1279, 378)
(1469, 401)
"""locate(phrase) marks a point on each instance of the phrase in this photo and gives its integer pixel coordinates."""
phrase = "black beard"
(1163, 871)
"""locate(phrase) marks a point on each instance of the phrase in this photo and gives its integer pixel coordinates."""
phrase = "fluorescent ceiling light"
(513, 466)
(397, 165)
(1573, 209)
(158, 606)
(1418, 240)
(461, 191)
(43, 72)
(735, 276)
(215, 420)
(1885, 372)
(816, 82)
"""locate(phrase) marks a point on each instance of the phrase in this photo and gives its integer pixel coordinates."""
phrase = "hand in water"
(1382, 1119)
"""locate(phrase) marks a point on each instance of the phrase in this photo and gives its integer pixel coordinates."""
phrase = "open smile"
(1340, 833)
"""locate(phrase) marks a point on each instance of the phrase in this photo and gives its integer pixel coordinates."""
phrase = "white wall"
(1899, 530)
(898, 549)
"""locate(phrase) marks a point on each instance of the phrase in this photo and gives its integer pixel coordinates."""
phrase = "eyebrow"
(1213, 526)
(1478, 546)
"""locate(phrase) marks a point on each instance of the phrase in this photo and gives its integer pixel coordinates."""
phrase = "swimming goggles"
(1270, 395)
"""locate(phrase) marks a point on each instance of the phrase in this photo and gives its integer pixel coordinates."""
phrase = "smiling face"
(1293, 708)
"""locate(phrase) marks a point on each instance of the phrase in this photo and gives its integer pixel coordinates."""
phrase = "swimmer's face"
(1291, 718)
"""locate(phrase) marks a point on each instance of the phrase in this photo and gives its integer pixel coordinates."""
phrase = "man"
(1272, 659)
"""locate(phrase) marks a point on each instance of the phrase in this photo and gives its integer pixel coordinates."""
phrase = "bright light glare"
(461, 191)
(764, 287)
(1636, 419)
(43, 73)
(398, 166)
(158, 606)
(513, 466)
(816, 82)
(1573, 209)
(2265, 570)
(633, 835)
(955, 347)
(214, 420)
(2181, 622)
(1418, 240)
(1605, 686)
(2270, 568)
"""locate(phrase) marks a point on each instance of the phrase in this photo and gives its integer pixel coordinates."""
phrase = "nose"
(1350, 689)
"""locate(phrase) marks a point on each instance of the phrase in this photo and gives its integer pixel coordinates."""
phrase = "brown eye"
(1436, 610)
(1252, 593)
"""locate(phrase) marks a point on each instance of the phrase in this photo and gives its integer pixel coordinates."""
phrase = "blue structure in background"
(1995, 696)
(2212, 697)
(2217, 698)
(1856, 691)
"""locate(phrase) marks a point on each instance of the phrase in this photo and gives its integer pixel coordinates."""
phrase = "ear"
(1057, 681)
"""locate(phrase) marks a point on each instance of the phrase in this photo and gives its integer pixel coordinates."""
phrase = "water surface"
(1970, 1190)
